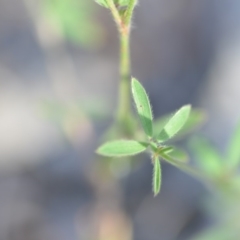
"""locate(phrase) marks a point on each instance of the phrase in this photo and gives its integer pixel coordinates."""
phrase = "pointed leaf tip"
(175, 123)
(195, 120)
(121, 148)
(143, 106)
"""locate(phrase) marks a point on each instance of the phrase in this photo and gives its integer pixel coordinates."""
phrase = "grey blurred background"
(58, 86)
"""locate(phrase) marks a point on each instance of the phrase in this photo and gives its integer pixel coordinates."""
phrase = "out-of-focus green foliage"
(223, 172)
(209, 160)
(72, 116)
(233, 151)
(94, 108)
(74, 18)
(219, 233)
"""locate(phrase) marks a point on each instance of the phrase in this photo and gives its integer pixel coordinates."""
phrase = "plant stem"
(129, 11)
(123, 22)
(115, 13)
(124, 101)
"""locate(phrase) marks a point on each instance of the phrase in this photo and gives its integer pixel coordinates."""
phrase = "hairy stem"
(129, 11)
(115, 13)
(124, 101)
(123, 21)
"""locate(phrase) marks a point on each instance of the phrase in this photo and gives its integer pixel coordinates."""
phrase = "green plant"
(73, 19)
(222, 173)
(156, 134)
(122, 11)
(156, 145)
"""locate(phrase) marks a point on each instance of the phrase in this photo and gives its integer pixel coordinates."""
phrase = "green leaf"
(165, 149)
(157, 176)
(159, 123)
(102, 3)
(208, 159)
(196, 118)
(143, 106)
(182, 166)
(174, 155)
(233, 153)
(175, 123)
(178, 155)
(121, 148)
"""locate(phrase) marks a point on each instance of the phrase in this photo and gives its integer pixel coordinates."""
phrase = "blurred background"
(58, 86)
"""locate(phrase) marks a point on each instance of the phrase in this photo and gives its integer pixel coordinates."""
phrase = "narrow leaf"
(233, 153)
(121, 148)
(182, 166)
(166, 149)
(175, 123)
(160, 122)
(196, 118)
(143, 106)
(157, 178)
(178, 155)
